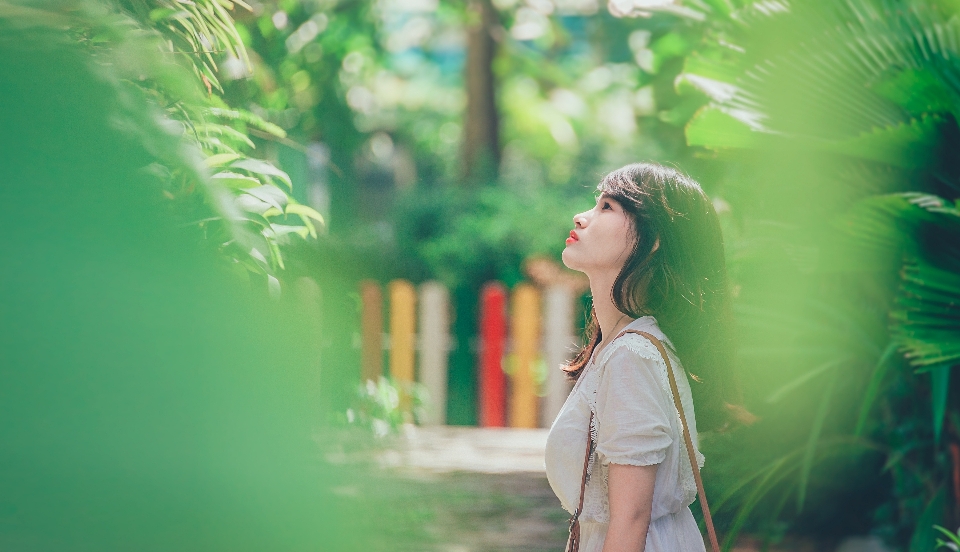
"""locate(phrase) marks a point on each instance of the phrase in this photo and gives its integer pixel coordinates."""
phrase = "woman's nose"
(580, 220)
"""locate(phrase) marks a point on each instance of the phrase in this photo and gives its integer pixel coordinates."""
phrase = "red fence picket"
(492, 388)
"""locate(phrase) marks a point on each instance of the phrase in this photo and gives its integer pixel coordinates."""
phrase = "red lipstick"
(573, 238)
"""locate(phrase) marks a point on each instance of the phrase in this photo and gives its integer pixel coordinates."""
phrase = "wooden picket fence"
(524, 335)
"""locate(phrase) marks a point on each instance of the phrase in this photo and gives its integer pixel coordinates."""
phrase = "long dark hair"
(676, 273)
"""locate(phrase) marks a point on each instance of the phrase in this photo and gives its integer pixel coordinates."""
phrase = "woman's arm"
(631, 500)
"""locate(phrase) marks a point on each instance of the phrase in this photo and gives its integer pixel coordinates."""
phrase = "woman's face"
(601, 240)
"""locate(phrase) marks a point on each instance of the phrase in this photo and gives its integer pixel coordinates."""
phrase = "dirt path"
(485, 490)
(478, 512)
(478, 490)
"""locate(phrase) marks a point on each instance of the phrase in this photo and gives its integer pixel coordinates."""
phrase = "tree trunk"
(481, 133)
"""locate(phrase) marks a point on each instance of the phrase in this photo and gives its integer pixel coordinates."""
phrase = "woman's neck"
(609, 317)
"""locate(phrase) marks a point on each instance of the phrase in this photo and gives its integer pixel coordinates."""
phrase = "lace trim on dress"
(593, 443)
(596, 501)
(645, 459)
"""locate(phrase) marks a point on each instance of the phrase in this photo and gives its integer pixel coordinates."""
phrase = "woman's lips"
(573, 238)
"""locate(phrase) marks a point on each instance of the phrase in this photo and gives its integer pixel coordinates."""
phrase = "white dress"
(635, 423)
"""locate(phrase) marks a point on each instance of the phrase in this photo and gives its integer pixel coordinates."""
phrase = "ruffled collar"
(649, 324)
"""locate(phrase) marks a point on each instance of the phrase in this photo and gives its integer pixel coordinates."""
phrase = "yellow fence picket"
(403, 299)
(525, 334)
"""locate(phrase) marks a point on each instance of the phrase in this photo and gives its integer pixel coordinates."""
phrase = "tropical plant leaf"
(874, 386)
(225, 131)
(847, 84)
(236, 180)
(716, 69)
(305, 211)
(813, 440)
(249, 118)
(924, 537)
(257, 166)
(253, 204)
(770, 478)
(926, 324)
(275, 253)
(269, 194)
(280, 232)
(939, 388)
(887, 222)
(716, 128)
(949, 534)
(221, 159)
(804, 378)
(909, 145)
(919, 92)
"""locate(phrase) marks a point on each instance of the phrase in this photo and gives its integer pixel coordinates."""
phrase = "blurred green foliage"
(152, 45)
(840, 119)
(149, 399)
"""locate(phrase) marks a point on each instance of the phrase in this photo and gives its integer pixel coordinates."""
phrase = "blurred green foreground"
(150, 399)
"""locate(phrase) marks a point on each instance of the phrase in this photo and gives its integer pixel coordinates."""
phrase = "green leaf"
(714, 127)
(885, 223)
(710, 65)
(235, 180)
(805, 377)
(249, 118)
(270, 195)
(684, 110)
(926, 323)
(257, 166)
(873, 387)
(211, 76)
(225, 131)
(159, 14)
(813, 440)
(275, 253)
(278, 231)
(924, 537)
(221, 159)
(668, 46)
(721, 7)
(305, 211)
(252, 204)
(717, 89)
(908, 145)
(919, 91)
(771, 478)
(949, 534)
(939, 390)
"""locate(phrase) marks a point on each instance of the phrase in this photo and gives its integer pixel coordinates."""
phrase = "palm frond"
(848, 82)
(926, 323)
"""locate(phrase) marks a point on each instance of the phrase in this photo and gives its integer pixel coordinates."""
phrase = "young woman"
(652, 250)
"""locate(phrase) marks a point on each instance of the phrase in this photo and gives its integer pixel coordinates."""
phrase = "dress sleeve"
(633, 414)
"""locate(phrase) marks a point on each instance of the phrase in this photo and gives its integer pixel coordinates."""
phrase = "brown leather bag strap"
(573, 543)
(691, 454)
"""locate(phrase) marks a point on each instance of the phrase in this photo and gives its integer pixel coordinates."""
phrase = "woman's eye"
(606, 205)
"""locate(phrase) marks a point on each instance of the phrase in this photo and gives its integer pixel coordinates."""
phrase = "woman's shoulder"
(630, 346)
(634, 355)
